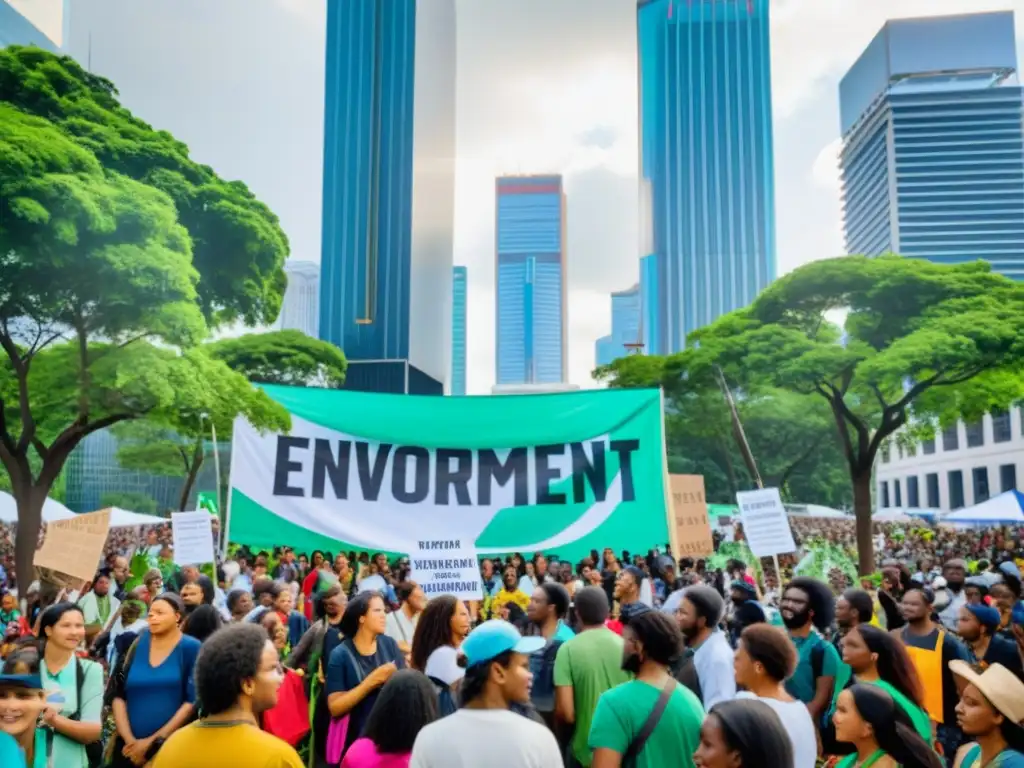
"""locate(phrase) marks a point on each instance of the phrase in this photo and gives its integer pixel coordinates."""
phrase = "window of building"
(950, 438)
(931, 481)
(956, 488)
(975, 434)
(979, 476)
(913, 493)
(1001, 427)
(885, 494)
(896, 493)
(928, 446)
(1007, 478)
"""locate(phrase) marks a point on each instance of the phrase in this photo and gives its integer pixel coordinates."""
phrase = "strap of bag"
(651, 722)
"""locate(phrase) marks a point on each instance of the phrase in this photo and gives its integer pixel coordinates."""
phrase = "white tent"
(814, 510)
(1006, 508)
(52, 510)
(122, 518)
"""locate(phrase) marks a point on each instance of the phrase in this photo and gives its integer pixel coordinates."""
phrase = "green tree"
(99, 301)
(238, 246)
(922, 345)
(178, 447)
(133, 501)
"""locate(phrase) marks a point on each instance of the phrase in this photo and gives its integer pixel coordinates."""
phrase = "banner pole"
(225, 527)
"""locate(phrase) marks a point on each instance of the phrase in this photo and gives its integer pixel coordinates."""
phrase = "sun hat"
(31, 682)
(1002, 688)
(495, 637)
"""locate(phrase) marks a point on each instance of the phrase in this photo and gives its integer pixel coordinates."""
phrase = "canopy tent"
(52, 510)
(122, 518)
(1004, 509)
(892, 515)
(814, 510)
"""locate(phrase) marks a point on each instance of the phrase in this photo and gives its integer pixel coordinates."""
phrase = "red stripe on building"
(528, 189)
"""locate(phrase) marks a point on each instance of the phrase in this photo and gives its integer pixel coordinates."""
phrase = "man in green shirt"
(586, 666)
(652, 642)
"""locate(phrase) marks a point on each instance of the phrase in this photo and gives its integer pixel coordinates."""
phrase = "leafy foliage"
(133, 501)
(283, 357)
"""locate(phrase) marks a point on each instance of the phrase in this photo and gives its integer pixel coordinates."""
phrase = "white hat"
(442, 664)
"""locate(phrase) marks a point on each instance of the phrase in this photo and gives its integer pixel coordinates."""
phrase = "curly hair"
(820, 601)
(433, 630)
(229, 657)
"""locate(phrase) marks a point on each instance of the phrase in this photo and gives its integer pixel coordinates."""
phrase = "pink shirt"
(363, 754)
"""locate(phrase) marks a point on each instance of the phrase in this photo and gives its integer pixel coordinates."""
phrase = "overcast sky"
(544, 86)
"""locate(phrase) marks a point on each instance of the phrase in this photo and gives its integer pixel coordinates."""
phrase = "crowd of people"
(339, 659)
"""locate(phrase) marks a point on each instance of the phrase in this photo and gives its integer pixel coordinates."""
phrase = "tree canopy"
(922, 345)
(283, 357)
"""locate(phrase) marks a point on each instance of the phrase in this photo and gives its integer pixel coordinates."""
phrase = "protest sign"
(72, 549)
(556, 472)
(192, 533)
(446, 567)
(765, 523)
(691, 527)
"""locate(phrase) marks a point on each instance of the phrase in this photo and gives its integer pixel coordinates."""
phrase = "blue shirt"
(10, 753)
(154, 694)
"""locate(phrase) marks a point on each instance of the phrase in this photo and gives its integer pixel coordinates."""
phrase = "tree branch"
(77, 432)
(20, 366)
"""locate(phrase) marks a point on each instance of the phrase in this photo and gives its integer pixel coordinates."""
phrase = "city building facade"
(625, 335)
(965, 464)
(530, 280)
(707, 197)
(300, 308)
(389, 192)
(933, 146)
(459, 290)
(15, 29)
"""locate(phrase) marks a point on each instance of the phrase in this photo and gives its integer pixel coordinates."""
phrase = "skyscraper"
(625, 327)
(706, 168)
(458, 380)
(389, 186)
(530, 283)
(933, 148)
(15, 29)
(300, 309)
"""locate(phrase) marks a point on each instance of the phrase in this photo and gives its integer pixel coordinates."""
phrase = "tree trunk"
(190, 477)
(30, 519)
(862, 509)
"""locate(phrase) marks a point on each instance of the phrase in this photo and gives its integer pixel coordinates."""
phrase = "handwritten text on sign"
(765, 524)
(690, 517)
(193, 537)
(446, 567)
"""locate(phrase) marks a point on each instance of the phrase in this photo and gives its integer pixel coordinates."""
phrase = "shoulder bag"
(637, 745)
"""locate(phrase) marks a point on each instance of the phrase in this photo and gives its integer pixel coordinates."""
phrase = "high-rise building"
(530, 283)
(625, 327)
(459, 288)
(300, 309)
(389, 192)
(650, 306)
(15, 29)
(933, 148)
(706, 165)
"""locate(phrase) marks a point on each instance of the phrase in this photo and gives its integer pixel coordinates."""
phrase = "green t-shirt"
(622, 712)
(920, 719)
(803, 683)
(68, 753)
(591, 663)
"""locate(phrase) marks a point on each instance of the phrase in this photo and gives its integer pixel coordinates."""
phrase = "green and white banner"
(445, 478)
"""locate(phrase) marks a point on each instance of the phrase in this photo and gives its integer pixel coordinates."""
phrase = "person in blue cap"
(22, 700)
(485, 730)
(978, 627)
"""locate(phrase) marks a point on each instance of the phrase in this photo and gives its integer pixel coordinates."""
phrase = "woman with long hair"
(154, 689)
(77, 721)
(765, 657)
(407, 702)
(743, 733)
(444, 624)
(878, 658)
(363, 662)
(991, 715)
(880, 730)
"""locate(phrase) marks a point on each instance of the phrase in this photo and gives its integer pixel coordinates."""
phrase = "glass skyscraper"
(530, 281)
(389, 187)
(706, 159)
(933, 147)
(458, 380)
(625, 327)
(300, 309)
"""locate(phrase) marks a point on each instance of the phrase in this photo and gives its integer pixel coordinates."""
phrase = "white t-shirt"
(495, 737)
(400, 627)
(796, 719)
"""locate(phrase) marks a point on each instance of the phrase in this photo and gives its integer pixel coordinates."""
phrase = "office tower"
(15, 29)
(707, 189)
(530, 284)
(300, 309)
(459, 289)
(933, 152)
(389, 192)
(625, 335)
(650, 307)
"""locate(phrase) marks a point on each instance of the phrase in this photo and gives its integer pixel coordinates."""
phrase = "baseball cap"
(495, 637)
(986, 615)
(997, 684)
(31, 682)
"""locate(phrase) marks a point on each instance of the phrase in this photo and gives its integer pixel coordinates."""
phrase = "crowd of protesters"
(339, 659)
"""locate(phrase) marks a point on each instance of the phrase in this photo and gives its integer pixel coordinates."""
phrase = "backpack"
(446, 703)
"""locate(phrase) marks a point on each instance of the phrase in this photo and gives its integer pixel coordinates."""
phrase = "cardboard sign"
(765, 523)
(193, 537)
(690, 522)
(73, 548)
